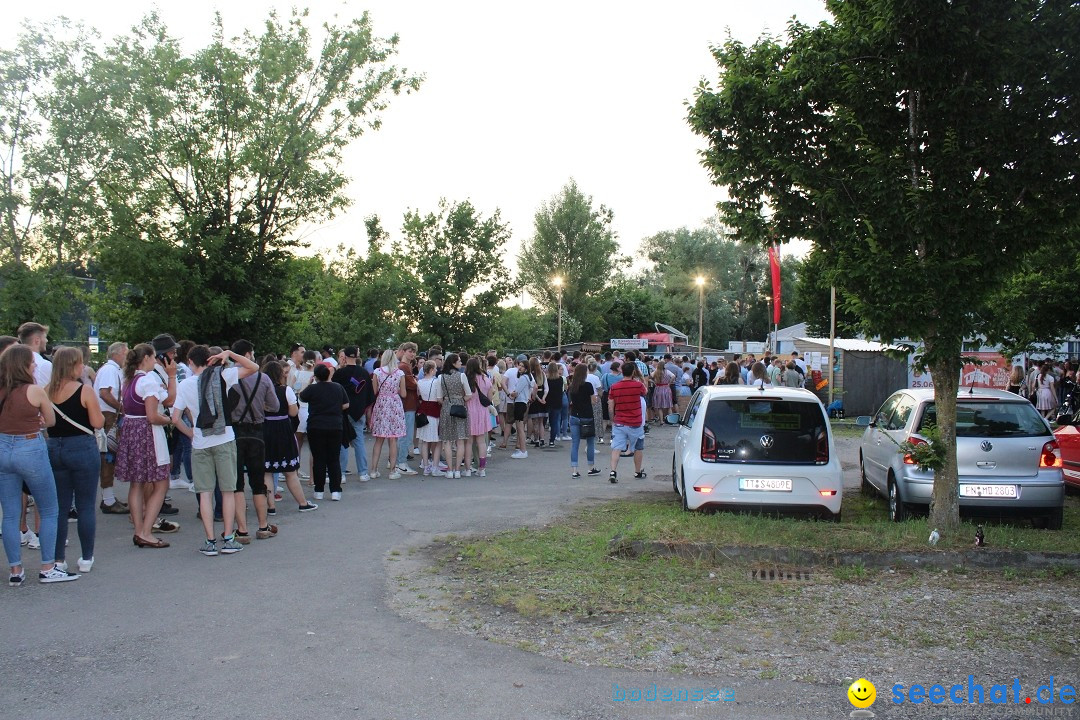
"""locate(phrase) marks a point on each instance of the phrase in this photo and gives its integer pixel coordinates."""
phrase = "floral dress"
(452, 428)
(388, 417)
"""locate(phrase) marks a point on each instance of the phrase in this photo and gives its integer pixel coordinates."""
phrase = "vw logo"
(766, 441)
(987, 446)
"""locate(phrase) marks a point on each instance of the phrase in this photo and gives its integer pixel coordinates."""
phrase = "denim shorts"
(624, 437)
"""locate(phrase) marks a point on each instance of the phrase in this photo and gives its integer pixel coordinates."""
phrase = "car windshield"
(991, 419)
(765, 431)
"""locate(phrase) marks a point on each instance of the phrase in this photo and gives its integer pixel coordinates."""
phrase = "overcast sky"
(518, 98)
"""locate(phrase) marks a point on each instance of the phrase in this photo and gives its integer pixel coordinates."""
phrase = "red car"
(1068, 437)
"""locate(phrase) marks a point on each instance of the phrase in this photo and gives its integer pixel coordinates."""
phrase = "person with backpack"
(204, 397)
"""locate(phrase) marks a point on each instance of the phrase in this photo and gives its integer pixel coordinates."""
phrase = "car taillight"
(823, 448)
(908, 460)
(708, 445)
(1051, 455)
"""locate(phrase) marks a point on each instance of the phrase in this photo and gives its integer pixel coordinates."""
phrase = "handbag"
(422, 420)
(112, 438)
(587, 426)
(458, 411)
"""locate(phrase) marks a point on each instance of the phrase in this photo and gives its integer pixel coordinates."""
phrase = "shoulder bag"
(98, 434)
(458, 411)
(421, 417)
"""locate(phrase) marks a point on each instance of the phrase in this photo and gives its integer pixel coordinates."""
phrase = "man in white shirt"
(107, 385)
(36, 337)
(213, 453)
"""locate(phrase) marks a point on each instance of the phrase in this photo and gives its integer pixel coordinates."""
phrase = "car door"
(686, 439)
(875, 456)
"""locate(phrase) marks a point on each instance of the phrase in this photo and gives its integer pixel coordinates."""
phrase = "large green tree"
(219, 158)
(456, 258)
(572, 240)
(924, 147)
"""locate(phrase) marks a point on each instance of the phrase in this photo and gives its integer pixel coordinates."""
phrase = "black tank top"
(72, 407)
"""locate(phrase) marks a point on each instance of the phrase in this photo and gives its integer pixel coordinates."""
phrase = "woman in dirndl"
(142, 455)
(279, 437)
(429, 392)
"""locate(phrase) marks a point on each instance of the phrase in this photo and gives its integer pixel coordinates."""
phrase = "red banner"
(774, 266)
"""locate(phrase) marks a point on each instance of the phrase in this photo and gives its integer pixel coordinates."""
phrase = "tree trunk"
(945, 370)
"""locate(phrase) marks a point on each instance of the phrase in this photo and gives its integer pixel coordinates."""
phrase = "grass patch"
(865, 528)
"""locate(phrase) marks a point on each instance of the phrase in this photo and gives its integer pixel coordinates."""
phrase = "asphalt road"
(298, 626)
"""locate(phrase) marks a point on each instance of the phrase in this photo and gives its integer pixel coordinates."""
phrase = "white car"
(769, 449)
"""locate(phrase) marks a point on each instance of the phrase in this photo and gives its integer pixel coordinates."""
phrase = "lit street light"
(700, 280)
(558, 283)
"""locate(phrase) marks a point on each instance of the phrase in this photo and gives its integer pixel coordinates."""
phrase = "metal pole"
(832, 337)
(560, 319)
(700, 319)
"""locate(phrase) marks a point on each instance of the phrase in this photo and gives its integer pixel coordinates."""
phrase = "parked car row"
(771, 449)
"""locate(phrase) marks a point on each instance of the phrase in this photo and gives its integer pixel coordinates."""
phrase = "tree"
(220, 157)
(924, 149)
(810, 298)
(574, 241)
(455, 256)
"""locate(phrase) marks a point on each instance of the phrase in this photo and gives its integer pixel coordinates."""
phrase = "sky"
(518, 99)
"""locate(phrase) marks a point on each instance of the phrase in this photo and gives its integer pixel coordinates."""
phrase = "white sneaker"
(437, 473)
(520, 454)
(457, 473)
(395, 475)
(346, 472)
(181, 484)
(364, 477)
(335, 496)
(482, 473)
(404, 469)
(318, 496)
(86, 565)
(55, 574)
(62, 566)
(416, 451)
(467, 473)
(30, 540)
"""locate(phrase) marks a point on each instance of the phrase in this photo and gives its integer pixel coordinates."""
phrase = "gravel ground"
(906, 626)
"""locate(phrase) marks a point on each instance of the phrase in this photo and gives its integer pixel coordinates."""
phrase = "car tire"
(897, 511)
(864, 482)
(837, 517)
(674, 481)
(1054, 520)
(685, 503)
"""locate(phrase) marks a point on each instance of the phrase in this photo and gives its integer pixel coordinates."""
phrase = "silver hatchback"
(1008, 459)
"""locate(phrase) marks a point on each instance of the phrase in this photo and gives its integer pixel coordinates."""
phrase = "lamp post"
(558, 282)
(700, 280)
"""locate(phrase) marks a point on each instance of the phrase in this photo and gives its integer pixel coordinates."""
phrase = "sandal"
(641, 474)
(139, 542)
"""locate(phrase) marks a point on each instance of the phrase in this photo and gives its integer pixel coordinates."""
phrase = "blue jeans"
(565, 429)
(76, 465)
(555, 422)
(357, 446)
(26, 460)
(181, 455)
(575, 438)
(404, 445)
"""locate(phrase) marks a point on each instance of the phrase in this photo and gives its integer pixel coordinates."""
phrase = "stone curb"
(943, 559)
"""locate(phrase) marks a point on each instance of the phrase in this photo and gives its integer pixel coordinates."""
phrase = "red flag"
(774, 266)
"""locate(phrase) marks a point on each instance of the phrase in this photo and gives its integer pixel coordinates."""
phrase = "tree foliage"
(456, 258)
(572, 240)
(925, 148)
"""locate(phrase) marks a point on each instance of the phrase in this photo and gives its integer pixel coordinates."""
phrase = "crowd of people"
(168, 415)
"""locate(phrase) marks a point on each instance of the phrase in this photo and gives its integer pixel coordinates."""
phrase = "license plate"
(988, 491)
(766, 484)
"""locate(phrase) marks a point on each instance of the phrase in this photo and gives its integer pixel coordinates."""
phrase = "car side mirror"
(864, 421)
(672, 419)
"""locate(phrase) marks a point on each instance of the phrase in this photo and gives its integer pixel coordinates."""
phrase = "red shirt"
(626, 396)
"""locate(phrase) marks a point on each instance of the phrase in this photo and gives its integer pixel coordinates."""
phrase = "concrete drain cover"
(776, 574)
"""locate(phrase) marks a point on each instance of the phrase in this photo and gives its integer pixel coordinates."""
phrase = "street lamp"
(700, 280)
(558, 283)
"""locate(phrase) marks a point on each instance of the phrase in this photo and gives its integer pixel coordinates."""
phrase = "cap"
(164, 343)
(352, 351)
(522, 358)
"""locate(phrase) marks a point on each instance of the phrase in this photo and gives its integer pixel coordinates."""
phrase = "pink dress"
(479, 416)
(388, 417)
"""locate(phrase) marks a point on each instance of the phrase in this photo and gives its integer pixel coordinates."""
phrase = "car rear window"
(765, 431)
(991, 419)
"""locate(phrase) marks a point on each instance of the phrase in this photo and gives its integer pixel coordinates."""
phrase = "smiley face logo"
(862, 693)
